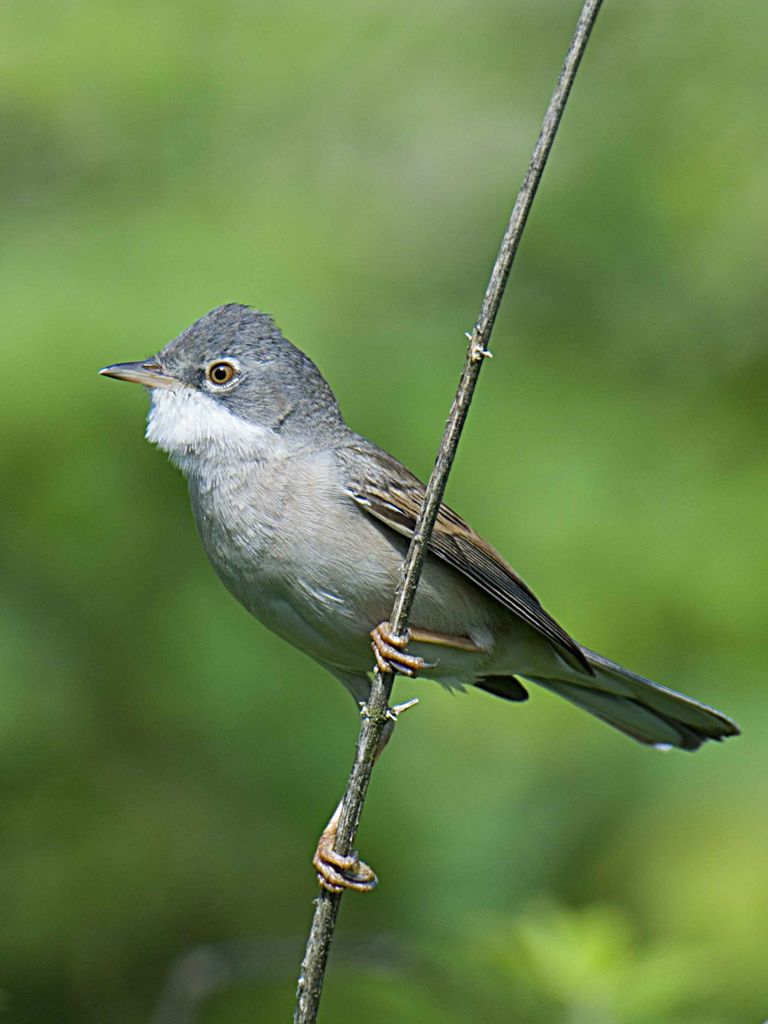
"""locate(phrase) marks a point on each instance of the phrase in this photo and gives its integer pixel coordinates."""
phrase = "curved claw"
(389, 650)
(336, 872)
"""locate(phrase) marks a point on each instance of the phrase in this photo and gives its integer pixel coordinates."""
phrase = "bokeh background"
(165, 763)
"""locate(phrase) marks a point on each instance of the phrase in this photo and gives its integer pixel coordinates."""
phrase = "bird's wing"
(386, 490)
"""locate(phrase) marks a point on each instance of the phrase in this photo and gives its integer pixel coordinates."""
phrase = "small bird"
(307, 523)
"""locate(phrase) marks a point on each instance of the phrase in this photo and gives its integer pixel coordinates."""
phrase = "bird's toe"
(336, 871)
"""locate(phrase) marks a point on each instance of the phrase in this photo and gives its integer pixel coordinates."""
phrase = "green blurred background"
(166, 764)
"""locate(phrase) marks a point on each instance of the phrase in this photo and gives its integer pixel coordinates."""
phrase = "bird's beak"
(148, 373)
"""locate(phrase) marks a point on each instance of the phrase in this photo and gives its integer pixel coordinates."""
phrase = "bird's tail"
(641, 708)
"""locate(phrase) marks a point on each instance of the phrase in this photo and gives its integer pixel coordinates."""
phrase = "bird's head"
(232, 382)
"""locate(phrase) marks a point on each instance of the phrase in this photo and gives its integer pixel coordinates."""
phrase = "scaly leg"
(389, 649)
(336, 872)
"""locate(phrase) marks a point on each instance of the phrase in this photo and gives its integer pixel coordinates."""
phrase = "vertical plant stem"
(327, 904)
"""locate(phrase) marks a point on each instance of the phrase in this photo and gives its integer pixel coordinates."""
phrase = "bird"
(307, 524)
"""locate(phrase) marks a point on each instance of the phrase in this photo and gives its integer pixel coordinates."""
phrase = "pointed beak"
(148, 373)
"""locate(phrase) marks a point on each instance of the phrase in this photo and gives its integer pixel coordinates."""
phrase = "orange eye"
(220, 373)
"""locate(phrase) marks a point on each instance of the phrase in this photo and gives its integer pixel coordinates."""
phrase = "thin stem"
(327, 904)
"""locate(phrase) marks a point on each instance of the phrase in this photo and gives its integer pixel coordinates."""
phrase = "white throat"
(194, 428)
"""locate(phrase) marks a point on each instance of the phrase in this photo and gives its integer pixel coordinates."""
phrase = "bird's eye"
(220, 372)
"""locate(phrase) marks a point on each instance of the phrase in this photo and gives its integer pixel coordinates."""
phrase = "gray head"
(232, 380)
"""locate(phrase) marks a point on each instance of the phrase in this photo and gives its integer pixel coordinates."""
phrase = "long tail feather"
(644, 710)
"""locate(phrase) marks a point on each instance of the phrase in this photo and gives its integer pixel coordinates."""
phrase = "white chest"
(195, 428)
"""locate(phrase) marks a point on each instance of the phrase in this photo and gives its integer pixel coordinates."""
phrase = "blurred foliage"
(166, 763)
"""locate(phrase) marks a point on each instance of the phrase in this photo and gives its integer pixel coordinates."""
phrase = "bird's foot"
(336, 872)
(389, 649)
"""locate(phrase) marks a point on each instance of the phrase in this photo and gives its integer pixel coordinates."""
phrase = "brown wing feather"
(453, 540)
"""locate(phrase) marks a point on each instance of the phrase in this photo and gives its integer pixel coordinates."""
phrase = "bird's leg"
(389, 649)
(336, 872)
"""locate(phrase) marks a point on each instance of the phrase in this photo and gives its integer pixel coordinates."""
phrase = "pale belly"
(308, 584)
